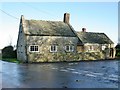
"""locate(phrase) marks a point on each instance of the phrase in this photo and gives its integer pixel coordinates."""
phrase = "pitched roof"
(49, 28)
(91, 37)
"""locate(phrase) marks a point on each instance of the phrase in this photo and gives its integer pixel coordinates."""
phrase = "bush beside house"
(118, 50)
(9, 52)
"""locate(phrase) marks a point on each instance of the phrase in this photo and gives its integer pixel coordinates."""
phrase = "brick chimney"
(83, 29)
(66, 18)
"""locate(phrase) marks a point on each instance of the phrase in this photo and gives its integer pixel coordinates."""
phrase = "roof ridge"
(90, 32)
(43, 20)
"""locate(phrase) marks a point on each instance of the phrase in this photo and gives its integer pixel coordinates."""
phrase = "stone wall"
(92, 56)
(106, 51)
(58, 57)
(55, 57)
(80, 53)
(21, 45)
(44, 43)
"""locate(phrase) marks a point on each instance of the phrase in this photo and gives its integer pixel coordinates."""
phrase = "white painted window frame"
(56, 48)
(70, 50)
(103, 47)
(34, 47)
(92, 48)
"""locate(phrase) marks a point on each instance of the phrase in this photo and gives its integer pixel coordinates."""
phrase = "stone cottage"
(53, 41)
(46, 41)
(95, 45)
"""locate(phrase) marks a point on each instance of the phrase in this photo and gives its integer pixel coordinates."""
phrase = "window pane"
(67, 48)
(32, 48)
(71, 48)
(53, 48)
(36, 48)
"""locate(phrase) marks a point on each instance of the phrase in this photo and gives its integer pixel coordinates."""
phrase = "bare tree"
(10, 41)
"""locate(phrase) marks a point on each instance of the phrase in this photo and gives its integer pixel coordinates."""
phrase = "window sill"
(53, 51)
(69, 51)
(34, 51)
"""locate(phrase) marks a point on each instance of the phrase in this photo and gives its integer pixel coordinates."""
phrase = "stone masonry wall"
(44, 43)
(21, 50)
(44, 54)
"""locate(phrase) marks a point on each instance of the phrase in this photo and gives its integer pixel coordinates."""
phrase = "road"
(95, 74)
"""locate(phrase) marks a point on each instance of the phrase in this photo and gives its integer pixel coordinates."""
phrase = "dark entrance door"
(111, 52)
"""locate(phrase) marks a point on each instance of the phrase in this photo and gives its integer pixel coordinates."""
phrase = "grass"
(14, 60)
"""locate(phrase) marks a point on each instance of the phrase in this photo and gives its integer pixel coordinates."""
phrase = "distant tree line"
(9, 52)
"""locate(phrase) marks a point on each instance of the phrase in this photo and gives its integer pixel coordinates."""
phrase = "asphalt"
(98, 74)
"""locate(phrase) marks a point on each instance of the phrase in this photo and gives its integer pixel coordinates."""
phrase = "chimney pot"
(66, 18)
(84, 29)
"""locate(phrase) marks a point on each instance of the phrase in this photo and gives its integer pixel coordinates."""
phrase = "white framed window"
(69, 48)
(34, 48)
(91, 47)
(103, 47)
(53, 48)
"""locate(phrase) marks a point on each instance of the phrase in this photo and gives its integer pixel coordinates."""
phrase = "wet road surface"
(97, 74)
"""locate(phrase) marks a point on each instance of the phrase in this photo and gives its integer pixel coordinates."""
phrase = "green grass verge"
(14, 60)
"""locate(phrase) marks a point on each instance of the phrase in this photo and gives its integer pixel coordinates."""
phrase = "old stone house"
(95, 45)
(46, 41)
(52, 41)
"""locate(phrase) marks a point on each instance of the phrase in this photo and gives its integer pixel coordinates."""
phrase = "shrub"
(117, 50)
(8, 52)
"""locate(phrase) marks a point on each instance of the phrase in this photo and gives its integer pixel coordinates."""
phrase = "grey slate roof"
(91, 37)
(49, 28)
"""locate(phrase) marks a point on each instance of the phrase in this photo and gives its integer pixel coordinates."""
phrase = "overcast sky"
(94, 16)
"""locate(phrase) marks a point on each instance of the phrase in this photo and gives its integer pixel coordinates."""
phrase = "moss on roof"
(91, 37)
(51, 28)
